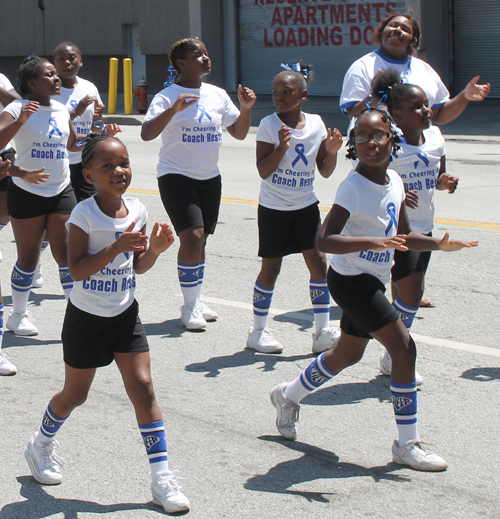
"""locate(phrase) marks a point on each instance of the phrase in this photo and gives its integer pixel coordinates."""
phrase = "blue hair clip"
(295, 65)
(368, 101)
(172, 74)
(385, 95)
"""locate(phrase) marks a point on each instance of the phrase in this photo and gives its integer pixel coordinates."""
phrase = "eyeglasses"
(377, 137)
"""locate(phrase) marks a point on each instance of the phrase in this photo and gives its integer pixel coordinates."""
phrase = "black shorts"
(9, 154)
(287, 232)
(407, 263)
(365, 309)
(83, 189)
(90, 341)
(191, 203)
(21, 204)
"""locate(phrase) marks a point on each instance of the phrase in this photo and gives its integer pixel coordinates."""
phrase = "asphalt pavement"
(214, 393)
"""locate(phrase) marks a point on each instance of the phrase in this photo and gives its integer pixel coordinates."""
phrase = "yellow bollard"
(127, 85)
(113, 85)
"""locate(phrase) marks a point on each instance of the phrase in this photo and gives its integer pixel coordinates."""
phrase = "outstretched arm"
(454, 107)
(239, 128)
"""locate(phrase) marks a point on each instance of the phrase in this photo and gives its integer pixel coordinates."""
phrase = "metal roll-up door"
(476, 42)
(330, 35)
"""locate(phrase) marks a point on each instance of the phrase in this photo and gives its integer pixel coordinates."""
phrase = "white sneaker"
(6, 366)
(21, 324)
(207, 313)
(325, 339)
(37, 281)
(263, 342)
(167, 493)
(288, 413)
(417, 455)
(386, 367)
(45, 464)
(191, 317)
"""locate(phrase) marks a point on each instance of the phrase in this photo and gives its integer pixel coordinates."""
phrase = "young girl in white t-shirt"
(188, 115)
(290, 144)
(107, 248)
(422, 166)
(85, 106)
(40, 197)
(367, 222)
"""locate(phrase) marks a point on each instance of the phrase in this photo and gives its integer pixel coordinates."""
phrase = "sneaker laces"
(4, 356)
(49, 456)
(168, 481)
(28, 316)
(419, 444)
(289, 413)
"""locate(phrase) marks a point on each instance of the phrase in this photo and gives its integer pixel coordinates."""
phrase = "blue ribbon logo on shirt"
(55, 129)
(391, 211)
(73, 104)
(203, 113)
(299, 148)
(424, 158)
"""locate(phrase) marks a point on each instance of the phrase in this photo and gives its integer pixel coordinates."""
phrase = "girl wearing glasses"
(290, 144)
(367, 222)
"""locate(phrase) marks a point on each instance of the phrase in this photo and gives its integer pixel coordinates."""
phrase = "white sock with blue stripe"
(404, 401)
(66, 280)
(320, 298)
(51, 423)
(153, 435)
(262, 297)
(201, 275)
(314, 376)
(188, 278)
(20, 281)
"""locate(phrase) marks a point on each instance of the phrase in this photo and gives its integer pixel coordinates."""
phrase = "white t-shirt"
(110, 291)
(373, 211)
(193, 137)
(7, 85)
(290, 187)
(414, 71)
(419, 166)
(70, 97)
(41, 142)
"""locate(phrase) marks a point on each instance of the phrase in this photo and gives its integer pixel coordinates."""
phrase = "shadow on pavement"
(316, 463)
(212, 367)
(39, 504)
(343, 394)
(482, 374)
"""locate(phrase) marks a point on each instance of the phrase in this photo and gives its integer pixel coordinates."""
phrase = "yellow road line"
(249, 201)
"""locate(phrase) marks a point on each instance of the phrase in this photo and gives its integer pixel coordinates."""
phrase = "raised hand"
(448, 245)
(161, 238)
(284, 134)
(183, 101)
(246, 96)
(28, 110)
(130, 241)
(475, 92)
(333, 140)
(396, 242)
(411, 199)
(448, 182)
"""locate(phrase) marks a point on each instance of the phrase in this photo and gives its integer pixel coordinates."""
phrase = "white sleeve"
(79, 218)
(231, 113)
(5, 83)
(347, 197)
(14, 109)
(264, 132)
(356, 86)
(159, 104)
(442, 94)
